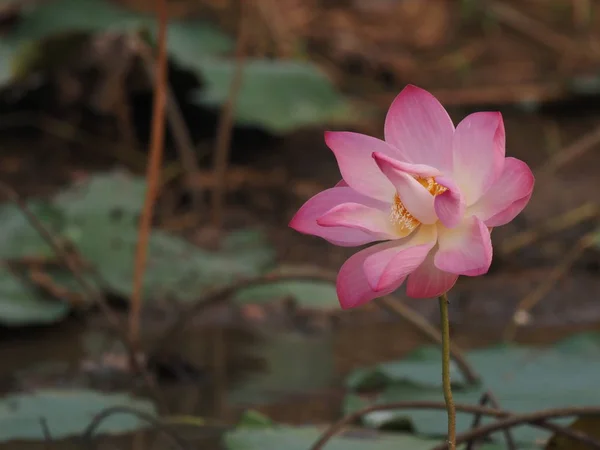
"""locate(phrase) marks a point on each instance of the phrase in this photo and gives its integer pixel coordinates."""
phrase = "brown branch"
(536, 30)
(181, 134)
(152, 174)
(225, 127)
(66, 258)
(399, 309)
(88, 434)
(576, 149)
(223, 294)
(536, 420)
(575, 216)
(559, 271)
(489, 397)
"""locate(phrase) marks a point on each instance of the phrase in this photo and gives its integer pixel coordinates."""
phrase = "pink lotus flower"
(432, 192)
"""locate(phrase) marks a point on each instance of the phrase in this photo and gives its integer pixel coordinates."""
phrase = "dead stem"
(537, 420)
(225, 127)
(519, 419)
(396, 307)
(559, 271)
(564, 221)
(88, 435)
(181, 134)
(489, 397)
(152, 174)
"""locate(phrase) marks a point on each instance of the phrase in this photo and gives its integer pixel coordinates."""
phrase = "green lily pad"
(317, 295)
(26, 46)
(18, 238)
(60, 16)
(302, 438)
(190, 40)
(114, 193)
(102, 215)
(67, 413)
(278, 95)
(523, 379)
(21, 304)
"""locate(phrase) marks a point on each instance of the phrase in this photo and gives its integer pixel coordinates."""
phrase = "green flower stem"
(446, 371)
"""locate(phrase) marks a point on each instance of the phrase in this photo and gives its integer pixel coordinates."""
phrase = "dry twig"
(576, 149)
(225, 127)
(489, 397)
(536, 30)
(181, 134)
(536, 419)
(88, 435)
(399, 309)
(564, 221)
(559, 271)
(152, 174)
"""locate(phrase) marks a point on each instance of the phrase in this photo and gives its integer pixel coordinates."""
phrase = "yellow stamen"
(403, 220)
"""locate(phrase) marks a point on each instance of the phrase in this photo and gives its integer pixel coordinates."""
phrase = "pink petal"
(428, 281)
(450, 205)
(353, 154)
(305, 220)
(420, 128)
(479, 147)
(360, 217)
(414, 196)
(509, 213)
(507, 196)
(341, 183)
(420, 170)
(466, 249)
(352, 286)
(389, 267)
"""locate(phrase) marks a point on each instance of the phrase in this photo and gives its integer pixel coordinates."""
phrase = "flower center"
(403, 220)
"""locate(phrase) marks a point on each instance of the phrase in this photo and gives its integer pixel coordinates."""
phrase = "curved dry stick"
(489, 397)
(396, 307)
(472, 409)
(223, 294)
(559, 271)
(88, 434)
(152, 174)
(226, 119)
(535, 418)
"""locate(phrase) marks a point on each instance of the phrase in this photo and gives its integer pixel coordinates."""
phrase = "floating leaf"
(18, 238)
(278, 95)
(22, 304)
(318, 295)
(24, 48)
(302, 438)
(191, 40)
(61, 16)
(103, 215)
(114, 193)
(513, 373)
(66, 413)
